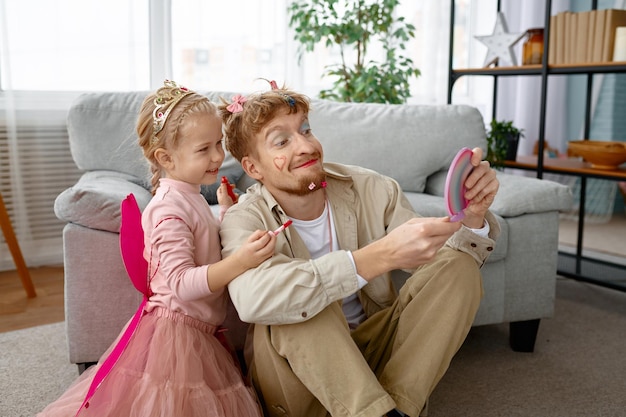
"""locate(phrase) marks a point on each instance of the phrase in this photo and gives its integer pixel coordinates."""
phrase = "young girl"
(174, 365)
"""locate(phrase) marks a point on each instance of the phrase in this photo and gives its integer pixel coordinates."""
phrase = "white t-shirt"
(318, 235)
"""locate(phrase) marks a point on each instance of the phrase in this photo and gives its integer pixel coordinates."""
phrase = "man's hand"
(482, 186)
(408, 246)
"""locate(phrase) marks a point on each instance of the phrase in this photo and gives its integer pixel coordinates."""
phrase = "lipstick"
(229, 189)
(281, 228)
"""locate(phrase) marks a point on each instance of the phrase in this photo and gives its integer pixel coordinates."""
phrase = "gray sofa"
(412, 143)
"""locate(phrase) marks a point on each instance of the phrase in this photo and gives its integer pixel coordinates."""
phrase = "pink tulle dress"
(174, 365)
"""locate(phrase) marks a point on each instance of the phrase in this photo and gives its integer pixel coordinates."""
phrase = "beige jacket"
(291, 287)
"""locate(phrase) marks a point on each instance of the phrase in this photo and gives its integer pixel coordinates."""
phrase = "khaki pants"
(392, 360)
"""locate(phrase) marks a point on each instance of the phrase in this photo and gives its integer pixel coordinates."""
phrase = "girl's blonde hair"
(167, 136)
(258, 110)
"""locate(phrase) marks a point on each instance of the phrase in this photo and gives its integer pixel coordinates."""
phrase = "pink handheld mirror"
(454, 191)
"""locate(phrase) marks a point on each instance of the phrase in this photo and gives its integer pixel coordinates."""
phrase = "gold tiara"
(166, 98)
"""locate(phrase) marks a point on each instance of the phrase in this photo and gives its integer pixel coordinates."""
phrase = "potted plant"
(502, 141)
(352, 26)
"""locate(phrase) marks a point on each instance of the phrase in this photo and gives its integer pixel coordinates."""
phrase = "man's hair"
(258, 110)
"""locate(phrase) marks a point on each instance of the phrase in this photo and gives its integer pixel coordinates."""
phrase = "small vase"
(532, 51)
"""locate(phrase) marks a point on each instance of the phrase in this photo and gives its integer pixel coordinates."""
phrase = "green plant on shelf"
(502, 140)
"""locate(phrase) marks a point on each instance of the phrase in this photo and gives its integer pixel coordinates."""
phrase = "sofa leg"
(82, 367)
(522, 335)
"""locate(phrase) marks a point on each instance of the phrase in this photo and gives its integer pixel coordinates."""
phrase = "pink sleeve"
(173, 241)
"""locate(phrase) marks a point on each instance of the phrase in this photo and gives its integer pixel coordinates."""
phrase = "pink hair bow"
(237, 105)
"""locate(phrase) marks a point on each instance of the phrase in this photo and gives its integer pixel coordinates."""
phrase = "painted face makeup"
(279, 162)
(312, 185)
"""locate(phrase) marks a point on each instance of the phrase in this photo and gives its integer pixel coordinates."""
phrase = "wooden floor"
(19, 312)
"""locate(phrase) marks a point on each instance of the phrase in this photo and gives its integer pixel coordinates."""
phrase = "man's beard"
(308, 184)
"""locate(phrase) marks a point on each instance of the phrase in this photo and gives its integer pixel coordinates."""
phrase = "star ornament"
(500, 44)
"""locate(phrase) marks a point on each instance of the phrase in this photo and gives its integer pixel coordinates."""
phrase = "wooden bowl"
(601, 154)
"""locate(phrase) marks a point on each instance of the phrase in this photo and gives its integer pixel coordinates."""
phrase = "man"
(331, 335)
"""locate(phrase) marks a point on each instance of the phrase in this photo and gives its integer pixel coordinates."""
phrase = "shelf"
(518, 70)
(574, 266)
(586, 68)
(570, 166)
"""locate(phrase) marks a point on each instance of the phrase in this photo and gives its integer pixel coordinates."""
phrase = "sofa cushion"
(102, 134)
(408, 143)
(94, 201)
(101, 128)
(519, 195)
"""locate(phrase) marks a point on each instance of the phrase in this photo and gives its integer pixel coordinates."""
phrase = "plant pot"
(511, 149)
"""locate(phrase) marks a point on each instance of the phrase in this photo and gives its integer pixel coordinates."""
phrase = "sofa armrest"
(517, 194)
(94, 201)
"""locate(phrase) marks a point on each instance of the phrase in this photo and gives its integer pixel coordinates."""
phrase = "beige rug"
(34, 369)
(578, 368)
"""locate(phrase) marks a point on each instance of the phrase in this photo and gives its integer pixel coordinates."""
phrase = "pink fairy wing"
(132, 244)
(131, 247)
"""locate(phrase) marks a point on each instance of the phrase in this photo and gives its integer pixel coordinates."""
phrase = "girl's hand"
(225, 194)
(259, 247)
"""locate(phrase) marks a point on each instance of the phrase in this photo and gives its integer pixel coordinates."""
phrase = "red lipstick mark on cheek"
(279, 162)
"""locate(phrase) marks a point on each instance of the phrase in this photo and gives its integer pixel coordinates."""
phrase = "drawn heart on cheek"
(279, 162)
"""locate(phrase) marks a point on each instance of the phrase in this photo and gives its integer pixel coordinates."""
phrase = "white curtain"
(35, 160)
(11, 184)
(429, 50)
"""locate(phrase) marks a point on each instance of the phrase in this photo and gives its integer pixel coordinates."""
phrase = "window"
(230, 49)
(73, 45)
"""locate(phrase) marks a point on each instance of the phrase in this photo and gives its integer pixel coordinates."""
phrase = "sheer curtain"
(35, 160)
(11, 185)
(429, 49)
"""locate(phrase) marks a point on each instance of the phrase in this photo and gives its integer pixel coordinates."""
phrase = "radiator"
(34, 169)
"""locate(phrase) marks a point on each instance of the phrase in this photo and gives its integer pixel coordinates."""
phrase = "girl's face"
(200, 152)
(289, 156)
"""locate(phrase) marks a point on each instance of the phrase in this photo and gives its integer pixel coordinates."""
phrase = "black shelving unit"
(575, 266)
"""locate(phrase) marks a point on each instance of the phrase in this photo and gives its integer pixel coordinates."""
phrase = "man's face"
(288, 156)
